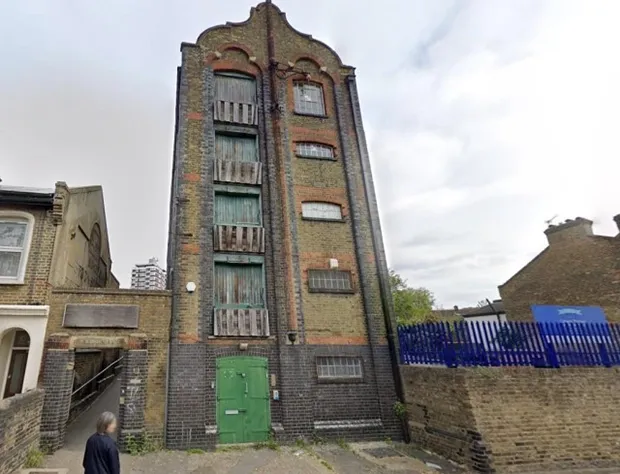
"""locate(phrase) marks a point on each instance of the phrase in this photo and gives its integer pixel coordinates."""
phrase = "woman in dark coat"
(101, 454)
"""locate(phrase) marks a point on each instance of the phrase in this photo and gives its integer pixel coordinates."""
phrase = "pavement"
(355, 458)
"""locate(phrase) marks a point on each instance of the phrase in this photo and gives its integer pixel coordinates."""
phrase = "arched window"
(94, 248)
(321, 211)
(19, 342)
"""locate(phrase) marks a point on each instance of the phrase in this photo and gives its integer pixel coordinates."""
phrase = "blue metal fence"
(495, 344)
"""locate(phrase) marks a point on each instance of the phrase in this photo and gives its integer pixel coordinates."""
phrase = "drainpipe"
(277, 138)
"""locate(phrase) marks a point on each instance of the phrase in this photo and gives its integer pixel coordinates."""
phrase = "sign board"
(570, 317)
(101, 316)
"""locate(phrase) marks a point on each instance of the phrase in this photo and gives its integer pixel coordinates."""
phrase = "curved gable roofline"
(260, 6)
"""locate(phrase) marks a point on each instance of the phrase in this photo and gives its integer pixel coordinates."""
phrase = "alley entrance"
(242, 389)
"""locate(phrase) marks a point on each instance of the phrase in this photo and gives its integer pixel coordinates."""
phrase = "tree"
(411, 305)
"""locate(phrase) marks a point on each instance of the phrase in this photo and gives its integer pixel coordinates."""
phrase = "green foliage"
(195, 451)
(271, 443)
(344, 445)
(400, 410)
(34, 459)
(411, 305)
(138, 446)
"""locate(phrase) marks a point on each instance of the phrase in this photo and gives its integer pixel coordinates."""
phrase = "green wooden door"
(242, 399)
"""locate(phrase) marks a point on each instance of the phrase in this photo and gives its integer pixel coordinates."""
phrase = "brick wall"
(20, 417)
(515, 420)
(577, 268)
(153, 332)
(338, 324)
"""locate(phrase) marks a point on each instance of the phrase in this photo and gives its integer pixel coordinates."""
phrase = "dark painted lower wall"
(309, 408)
(20, 420)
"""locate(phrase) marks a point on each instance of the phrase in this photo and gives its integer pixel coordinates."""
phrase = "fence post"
(552, 356)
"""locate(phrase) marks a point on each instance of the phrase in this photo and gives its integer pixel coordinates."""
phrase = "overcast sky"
(484, 118)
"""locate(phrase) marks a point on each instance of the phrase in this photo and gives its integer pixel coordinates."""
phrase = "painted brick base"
(516, 420)
(307, 408)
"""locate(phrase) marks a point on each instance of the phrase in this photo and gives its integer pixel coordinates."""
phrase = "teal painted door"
(242, 399)
(237, 209)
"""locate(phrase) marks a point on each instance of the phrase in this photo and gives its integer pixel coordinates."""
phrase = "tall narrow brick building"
(282, 322)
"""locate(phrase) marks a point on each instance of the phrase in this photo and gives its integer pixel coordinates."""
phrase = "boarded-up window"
(237, 209)
(239, 286)
(329, 281)
(309, 99)
(321, 211)
(235, 148)
(235, 99)
(314, 150)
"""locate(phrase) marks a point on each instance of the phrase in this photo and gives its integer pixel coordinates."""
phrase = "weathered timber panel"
(238, 172)
(101, 316)
(230, 238)
(235, 112)
(236, 148)
(241, 322)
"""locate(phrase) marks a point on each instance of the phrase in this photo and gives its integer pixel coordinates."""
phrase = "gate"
(242, 404)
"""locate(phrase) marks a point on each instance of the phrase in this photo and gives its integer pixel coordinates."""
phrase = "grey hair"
(104, 421)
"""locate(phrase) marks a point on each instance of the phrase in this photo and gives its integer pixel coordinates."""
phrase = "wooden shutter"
(235, 148)
(238, 286)
(235, 99)
(237, 209)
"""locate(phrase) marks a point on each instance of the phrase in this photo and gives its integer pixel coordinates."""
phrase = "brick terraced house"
(577, 268)
(281, 314)
(48, 237)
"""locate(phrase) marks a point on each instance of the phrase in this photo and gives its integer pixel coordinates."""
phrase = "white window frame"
(322, 211)
(309, 98)
(339, 368)
(314, 150)
(28, 219)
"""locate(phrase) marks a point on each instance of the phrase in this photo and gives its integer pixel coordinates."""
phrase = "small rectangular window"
(321, 211)
(309, 99)
(329, 281)
(329, 368)
(315, 150)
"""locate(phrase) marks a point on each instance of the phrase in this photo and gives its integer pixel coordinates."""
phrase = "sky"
(485, 118)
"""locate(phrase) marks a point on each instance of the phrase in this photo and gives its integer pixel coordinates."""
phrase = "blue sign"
(570, 316)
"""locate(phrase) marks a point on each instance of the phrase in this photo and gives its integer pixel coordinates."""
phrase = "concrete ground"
(357, 458)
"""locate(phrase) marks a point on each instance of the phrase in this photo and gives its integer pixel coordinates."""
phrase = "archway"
(14, 350)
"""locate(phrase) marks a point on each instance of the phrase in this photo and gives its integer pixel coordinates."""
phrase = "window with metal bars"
(339, 368)
(309, 99)
(314, 150)
(329, 281)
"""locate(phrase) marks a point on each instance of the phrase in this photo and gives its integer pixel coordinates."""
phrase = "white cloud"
(484, 118)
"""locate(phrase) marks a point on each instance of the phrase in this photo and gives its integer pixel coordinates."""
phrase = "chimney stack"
(570, 229)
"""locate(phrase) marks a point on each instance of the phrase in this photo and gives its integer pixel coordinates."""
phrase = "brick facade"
(20, 417)
(145, 352)
(323, 324)
(578, 268)
(516, 420)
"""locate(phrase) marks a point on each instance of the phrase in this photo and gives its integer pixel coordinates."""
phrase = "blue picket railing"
(495, 344)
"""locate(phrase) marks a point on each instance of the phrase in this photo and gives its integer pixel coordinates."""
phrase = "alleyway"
(79, 431)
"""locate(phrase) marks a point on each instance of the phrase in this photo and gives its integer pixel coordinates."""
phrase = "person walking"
(101, 453)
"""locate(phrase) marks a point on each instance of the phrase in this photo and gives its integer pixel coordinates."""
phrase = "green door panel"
(238, 286)
(235, 148)
(242, 388)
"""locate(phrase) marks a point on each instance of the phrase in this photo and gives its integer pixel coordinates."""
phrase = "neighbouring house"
(148, 276)
(276, 260)
(577, 268)
(48, 237)
(491, 312)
